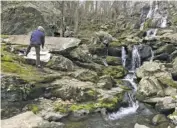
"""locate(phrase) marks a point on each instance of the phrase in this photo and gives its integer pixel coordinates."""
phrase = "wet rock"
(162, 57)
(113, 60)
(105, 82)
(79, 114)
(60, 63)
(145, 51)
(28, 119)
(140, 126)
(159, 118)
(113, 51)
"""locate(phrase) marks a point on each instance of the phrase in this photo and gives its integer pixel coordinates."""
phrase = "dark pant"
(37, 48)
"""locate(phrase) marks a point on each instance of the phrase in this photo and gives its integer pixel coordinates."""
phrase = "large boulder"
(148, 87)
(14, 15)
(168, 37)
(69, 88)
(29, 120)
(145, 51)
(60, 63)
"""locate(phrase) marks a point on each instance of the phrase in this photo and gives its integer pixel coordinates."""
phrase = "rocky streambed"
(130, 84)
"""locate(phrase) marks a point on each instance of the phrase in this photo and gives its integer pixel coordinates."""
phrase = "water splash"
(151, 33)
(164, 22)
(136, 60)
(123, 53)
(125, 111)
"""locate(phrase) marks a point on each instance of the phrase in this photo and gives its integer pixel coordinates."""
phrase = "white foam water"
(149, 15)
(133, 104)
(123, 56)
(164, 22)
(136, 60)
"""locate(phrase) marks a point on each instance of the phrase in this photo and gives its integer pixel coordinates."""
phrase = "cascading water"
(133, 104)
(123, 52)
(149, 15)
(136, 60)
(164, 22)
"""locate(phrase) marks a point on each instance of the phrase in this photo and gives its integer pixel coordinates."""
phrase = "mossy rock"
(115, 44)
(168, 82)
(115, 71)
(113, 60)
(4, 36)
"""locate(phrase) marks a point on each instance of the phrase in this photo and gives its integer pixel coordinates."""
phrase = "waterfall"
(136, 60)
(142, 26)
(133, 103)
(149, 15)
(164, 22)
(123, 56)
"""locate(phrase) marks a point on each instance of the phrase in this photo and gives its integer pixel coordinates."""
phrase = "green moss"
(63, 108)
(113, 60)
(34, 108)
(88, 106)
(4, 36)
(110, 102)
(115, 44)
(147, 24)
(168, 82)
(115, 71)
(91, 93)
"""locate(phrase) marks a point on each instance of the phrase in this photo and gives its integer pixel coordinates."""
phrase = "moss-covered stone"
(113, 60)
(34, 108)
(115, 71)
(63, 108)
(115, 44)
(4, 36)
(168, 82)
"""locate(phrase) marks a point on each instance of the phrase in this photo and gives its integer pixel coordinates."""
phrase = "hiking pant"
(37, 48)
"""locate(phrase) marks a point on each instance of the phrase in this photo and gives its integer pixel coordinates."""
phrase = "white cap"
(41, 28)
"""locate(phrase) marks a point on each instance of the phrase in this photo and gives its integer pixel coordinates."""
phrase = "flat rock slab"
(44, 55)
(52, 43)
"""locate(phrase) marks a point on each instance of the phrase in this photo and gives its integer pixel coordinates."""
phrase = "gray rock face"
(13, 88)
(105, 82)
(14, 15)
(28, 120)
(60, 63)
(144, 51)
(69, 88)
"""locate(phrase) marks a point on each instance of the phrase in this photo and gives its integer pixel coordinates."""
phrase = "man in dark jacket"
(37, 39)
